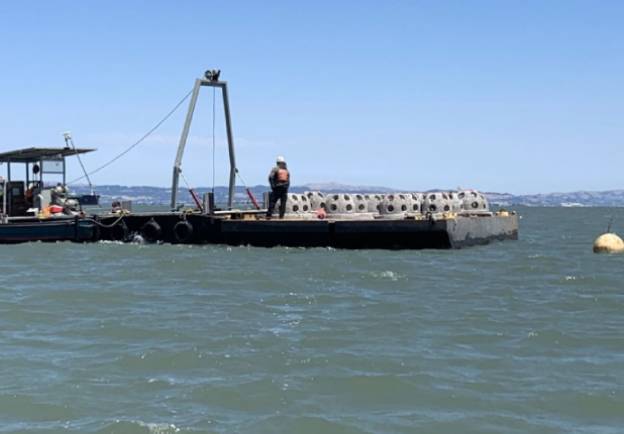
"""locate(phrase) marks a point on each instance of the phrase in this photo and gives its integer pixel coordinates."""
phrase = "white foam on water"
(387, 274)
(138, 239)
(159, 428)
(152, 427)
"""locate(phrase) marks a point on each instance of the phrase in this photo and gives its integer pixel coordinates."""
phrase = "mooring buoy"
(609, 243)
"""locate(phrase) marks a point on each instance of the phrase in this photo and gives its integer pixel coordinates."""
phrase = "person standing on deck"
(279, 179)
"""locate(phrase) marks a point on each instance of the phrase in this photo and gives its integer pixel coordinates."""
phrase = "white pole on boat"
(69, 142)
(177, 166)
(230, 137)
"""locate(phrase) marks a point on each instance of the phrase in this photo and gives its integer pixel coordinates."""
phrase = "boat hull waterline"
(445, 233)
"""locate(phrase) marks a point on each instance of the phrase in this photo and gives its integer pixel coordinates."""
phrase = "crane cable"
(250, 194)
(213, 139)
(138, 142)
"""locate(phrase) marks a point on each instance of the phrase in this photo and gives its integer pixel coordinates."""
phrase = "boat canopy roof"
(33, 155)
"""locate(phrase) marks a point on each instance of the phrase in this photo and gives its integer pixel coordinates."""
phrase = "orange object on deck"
(253, 199)
(283, 175)
(196, 199)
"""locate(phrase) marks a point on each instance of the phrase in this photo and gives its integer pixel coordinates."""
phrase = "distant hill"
(577, 198)
(335, 187)
(161, 196)
(147, 195)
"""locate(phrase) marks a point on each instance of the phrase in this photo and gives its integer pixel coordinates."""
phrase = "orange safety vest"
(282, 175)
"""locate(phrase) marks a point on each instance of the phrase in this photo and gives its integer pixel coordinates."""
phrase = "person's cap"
(280, 159)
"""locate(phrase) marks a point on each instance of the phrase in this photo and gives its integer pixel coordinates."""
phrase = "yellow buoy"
(608, 243)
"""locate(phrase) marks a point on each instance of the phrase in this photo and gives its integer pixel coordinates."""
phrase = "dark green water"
(515, 337)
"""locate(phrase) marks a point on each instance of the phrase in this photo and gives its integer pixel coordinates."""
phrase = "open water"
(515, 337)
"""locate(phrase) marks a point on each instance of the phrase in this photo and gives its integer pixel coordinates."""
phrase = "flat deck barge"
(442, 233)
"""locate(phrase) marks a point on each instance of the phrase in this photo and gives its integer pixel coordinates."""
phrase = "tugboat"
(32, 209)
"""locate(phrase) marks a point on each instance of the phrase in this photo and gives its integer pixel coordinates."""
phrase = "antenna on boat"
(609, 225)
(69, 142)
(210, 79)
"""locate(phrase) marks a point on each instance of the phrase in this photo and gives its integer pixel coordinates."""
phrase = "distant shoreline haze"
(149, 195)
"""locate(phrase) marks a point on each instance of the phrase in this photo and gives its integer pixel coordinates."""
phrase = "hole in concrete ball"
(403, 207)
(333, 207)
(447, 208)
(295, 208)
(432, 207)
(349, 207)
(475, 205)
(432, 197)
(390, 208)
(361, 207)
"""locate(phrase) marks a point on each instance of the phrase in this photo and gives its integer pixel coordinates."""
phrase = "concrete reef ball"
(608, 243)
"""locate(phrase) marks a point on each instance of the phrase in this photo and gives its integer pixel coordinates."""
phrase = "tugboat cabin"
(29, 196)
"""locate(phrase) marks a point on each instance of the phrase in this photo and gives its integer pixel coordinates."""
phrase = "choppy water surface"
(515, 337)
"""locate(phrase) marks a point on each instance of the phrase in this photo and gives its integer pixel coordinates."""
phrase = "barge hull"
(479, 230)
(451, 233)
(48, 230)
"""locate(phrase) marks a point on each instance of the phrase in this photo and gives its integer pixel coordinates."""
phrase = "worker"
(58, 194)
(279, 179)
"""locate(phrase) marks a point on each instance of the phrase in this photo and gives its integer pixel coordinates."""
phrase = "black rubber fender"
(151, 231)
(183, 231)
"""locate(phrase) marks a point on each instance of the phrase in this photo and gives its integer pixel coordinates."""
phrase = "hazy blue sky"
(518, 96)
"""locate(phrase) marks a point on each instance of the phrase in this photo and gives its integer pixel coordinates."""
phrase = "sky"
(506, 96)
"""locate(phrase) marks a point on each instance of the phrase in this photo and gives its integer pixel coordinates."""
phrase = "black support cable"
(138, 142)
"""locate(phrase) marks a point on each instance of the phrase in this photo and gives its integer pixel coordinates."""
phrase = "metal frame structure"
(28, 156)
(211, 80)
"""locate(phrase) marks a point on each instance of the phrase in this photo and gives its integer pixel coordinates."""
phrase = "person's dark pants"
(281, 194)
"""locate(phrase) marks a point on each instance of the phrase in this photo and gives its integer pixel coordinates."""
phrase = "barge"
(35, 211)
(450, 232)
